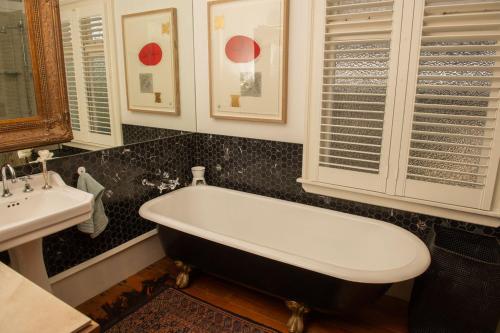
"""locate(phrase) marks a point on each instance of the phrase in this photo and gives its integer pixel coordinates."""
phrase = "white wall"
(8, 6)
(298, 57)
(86, 280)
(187, 119)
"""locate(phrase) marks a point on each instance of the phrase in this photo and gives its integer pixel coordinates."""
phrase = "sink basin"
(28, 217)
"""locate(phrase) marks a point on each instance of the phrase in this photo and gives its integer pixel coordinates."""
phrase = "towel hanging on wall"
(98, 221)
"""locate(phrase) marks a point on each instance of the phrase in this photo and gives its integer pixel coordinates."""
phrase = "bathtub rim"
(411, 270)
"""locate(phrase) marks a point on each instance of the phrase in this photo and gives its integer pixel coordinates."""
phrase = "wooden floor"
(389, 315)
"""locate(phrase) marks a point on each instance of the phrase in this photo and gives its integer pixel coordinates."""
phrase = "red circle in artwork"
(151, 54)
(241, 49)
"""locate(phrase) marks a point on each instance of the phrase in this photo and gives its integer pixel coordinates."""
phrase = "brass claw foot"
(296, 322)
(182, 280)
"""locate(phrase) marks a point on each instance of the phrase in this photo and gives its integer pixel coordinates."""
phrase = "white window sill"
(476, 216)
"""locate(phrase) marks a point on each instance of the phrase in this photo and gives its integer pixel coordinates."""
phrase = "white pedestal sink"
(25, 218)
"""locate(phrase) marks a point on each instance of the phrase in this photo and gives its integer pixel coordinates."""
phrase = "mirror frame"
(52, 122)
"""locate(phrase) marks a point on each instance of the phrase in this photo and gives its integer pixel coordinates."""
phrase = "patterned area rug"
(173, 311)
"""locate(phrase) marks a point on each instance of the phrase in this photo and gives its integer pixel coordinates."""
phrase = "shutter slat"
(447, 161)
(448, 171)
(426, 123)
(352, 118)
(457, 98)
(357, 77)
(352, 135)
(353, 127)
(460, 7)
(353, 68)
(461, 27)
(355, 59)
(352, 94)
(443, 179)
(356, 41)
(459, 78)
(354, 102)
(353, 85)
(371, 145)
(352, 150)
(460, 58)
(460, 68)
(350, 167)
(361, 15)
(361, 5)
(352, 110)
(464, 38)
(491, 15)
(452, 135)
(458, 88)
(441, 152)
(455, 107)
(357, 23)
(348, 158)
(344, 51)
(454, 116)
(360, 32)
(443, 48)
(451, 144)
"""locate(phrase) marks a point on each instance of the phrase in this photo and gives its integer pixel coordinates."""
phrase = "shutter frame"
(452, 192)
(353, 177)
(74, 12)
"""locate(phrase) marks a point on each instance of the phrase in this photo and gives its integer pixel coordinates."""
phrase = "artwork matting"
(150, 48)
(245, 86)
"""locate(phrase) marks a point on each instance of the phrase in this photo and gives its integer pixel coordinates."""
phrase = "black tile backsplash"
(132, 173)
(135, 134)
(271, 168)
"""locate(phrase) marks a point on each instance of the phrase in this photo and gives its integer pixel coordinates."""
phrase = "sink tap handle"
(6, 192)
(27, 185)
(13, 178)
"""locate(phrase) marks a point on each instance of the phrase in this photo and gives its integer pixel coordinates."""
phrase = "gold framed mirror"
(48, 121)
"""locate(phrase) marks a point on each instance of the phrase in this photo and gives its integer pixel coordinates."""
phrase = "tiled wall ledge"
(135, 134)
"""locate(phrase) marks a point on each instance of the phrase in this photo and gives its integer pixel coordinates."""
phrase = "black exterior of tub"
(317, 291)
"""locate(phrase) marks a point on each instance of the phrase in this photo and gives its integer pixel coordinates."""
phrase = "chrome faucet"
(6, 191)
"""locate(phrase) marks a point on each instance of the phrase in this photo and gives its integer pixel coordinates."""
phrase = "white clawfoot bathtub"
(340, 245)
(328, 260)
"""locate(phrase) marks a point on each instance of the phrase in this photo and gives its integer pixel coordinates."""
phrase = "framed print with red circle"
(151, 61)
(248, 46)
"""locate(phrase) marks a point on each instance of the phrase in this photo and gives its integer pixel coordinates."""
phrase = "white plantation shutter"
(87, 72)
(356, 91)
(69, 62)
(451, 150)
(94, 70)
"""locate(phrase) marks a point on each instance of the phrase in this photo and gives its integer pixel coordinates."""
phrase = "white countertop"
(27, 308)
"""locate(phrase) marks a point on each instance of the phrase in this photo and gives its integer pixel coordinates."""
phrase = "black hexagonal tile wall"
(262, 167)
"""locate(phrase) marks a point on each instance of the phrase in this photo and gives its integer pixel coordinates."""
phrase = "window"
(406, 101)
(85, 40)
